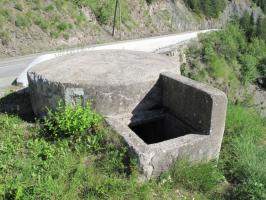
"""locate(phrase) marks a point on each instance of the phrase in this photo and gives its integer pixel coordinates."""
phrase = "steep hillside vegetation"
(234, 59)
(210, 8)
(37, 25)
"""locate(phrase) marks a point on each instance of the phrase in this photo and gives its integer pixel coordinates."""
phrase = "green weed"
(243, 155)
(22, 21)
(78, 123)
(201, 177)
(18, 6)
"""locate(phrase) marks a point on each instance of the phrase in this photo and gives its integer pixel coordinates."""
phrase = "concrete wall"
(195, 104)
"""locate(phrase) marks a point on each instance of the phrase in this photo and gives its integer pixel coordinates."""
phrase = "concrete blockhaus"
(161, 115)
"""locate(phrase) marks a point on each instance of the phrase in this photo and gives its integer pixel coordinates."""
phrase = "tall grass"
(244, 154)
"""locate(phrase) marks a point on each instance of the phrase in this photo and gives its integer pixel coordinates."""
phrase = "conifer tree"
(261, 28)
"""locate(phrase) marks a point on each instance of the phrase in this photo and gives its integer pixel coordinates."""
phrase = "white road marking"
(4, 66)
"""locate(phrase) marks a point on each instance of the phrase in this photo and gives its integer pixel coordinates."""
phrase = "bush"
(18, 6)
(41, 22)
(80, 124)
(6, 14)
(63, 26)
(22, 21)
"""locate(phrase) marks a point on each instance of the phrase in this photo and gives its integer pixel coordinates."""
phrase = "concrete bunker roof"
(105, 67)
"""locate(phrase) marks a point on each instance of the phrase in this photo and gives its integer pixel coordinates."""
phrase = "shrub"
(80, 19)
(54, 34)
(5, 14)
(41, 22)
(80, 124)
(104, 11)
(22, 21)
(63, 26)
(18, 6)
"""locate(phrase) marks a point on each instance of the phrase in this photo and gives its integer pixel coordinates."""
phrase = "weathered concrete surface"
(161, 115)
(115, 81)
(197, 105)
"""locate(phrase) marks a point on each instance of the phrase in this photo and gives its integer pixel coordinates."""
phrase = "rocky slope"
(18, 37)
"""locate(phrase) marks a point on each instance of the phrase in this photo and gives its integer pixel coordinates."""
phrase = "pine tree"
(261, 28)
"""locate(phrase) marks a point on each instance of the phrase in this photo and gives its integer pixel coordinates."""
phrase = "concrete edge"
(147, 45)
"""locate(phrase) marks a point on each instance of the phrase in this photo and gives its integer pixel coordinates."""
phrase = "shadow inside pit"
(18, 103)
(154, 122)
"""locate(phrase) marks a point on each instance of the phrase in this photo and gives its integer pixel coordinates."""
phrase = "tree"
(261, 28)
(210, 8)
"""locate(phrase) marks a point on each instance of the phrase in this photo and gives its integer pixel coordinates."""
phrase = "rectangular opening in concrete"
(160, 129)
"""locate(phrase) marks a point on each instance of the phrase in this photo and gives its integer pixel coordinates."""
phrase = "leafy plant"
(78, 123)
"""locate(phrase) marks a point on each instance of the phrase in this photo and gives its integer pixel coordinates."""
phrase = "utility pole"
(120, 20)
(117, 3)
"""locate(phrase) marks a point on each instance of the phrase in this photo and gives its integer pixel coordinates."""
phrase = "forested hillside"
(34, 26)
(210, 8)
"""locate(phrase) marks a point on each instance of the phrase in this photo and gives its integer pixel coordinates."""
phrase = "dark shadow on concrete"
(18, 103)
(152, 101)
(154, 122)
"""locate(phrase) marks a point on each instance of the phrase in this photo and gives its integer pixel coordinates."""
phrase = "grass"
(229, 61)
(81, 161)
(72, 154)
(244, 153)
(22, 21)
(58, 18)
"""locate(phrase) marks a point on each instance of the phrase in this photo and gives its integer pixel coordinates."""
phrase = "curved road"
(16, 67)
(12, 67)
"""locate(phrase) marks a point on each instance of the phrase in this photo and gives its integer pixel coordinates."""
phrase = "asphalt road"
(11, 68)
